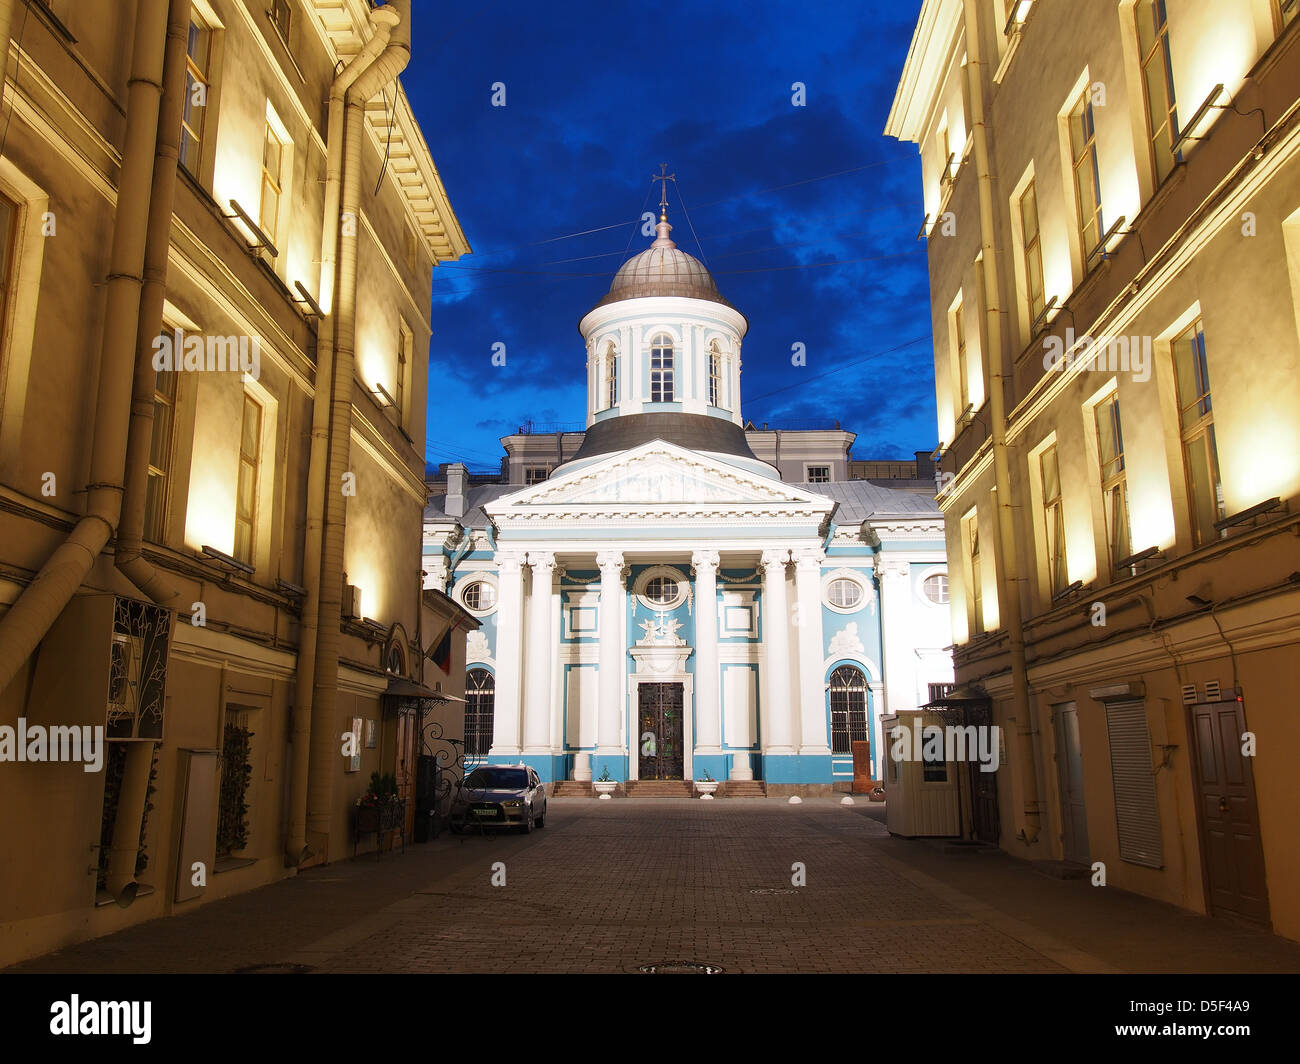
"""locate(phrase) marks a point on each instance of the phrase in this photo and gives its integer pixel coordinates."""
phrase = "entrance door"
(1225, 786)
(659, 712)
(985, 823)
(404, 763)
(1069, 771)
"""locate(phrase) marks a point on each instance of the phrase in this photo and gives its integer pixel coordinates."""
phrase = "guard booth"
(922, 797)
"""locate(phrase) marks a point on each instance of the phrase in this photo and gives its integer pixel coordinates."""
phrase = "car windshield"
(497, 779)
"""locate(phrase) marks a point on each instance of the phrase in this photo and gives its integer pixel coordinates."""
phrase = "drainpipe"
(128, 551)
(312, 718)
(1025, 777)
(38, 607)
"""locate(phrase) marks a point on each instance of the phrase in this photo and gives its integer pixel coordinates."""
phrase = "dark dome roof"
(663, 269)
(695, 432)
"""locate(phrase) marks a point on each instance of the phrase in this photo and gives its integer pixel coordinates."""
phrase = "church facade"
(661, 604)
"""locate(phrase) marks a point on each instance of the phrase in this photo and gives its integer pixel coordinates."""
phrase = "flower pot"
(705, 788)
(604, 788)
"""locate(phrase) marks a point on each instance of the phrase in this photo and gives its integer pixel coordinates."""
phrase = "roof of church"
(663, 269)
(695, 432)
(860, 500)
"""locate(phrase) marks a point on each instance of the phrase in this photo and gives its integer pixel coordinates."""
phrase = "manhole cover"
(274, 969)
(680, 968)
(774, 890)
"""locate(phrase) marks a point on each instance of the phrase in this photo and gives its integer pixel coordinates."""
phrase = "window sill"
(103, 897)
(232, 864)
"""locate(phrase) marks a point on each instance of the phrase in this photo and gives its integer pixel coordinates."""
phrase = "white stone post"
(510, 606)
(776, 642)
(708, 679)
(611, 669)
(540, 650)
(812, 691)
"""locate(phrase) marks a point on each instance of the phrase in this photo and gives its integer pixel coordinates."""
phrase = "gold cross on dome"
(663, 177)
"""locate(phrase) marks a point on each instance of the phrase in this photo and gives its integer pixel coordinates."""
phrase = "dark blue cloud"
(597, 95)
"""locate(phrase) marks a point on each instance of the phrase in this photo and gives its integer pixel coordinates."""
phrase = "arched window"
(848, 708)
(611, 377)
(395, 662)
(480, 701)
(715, 375)
(661, 369)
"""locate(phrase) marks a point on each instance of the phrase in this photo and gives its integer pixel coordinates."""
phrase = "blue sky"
(597, 95)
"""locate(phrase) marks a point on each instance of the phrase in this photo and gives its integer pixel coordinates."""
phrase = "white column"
(708, 679)
(776, 642)
(812, 692)
(613, 655)
(510, 606)
(540, 650)
(897, 637)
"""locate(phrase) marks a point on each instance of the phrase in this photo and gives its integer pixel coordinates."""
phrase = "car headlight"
(513, 803)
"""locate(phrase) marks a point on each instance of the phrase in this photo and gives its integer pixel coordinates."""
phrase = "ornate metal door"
(659, 713)
(985, 823)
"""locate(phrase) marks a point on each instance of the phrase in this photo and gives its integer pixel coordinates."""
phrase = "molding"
(213, 649)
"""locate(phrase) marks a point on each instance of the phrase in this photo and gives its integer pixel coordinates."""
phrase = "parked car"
(500, 796)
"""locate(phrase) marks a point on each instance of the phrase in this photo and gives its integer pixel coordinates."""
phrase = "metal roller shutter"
(1137, 819)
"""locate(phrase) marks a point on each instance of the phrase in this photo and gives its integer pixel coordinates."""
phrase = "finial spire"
(663, 228)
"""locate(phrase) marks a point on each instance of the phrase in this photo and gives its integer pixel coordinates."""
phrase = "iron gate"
(659, 708)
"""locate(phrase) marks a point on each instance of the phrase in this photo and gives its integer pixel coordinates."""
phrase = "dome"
(663, 269)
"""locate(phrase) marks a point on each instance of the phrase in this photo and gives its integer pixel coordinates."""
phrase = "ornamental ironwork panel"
(138, 670)
(660, 716)
(848, 691)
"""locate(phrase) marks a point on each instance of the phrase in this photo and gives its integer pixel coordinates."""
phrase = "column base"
(742, 766)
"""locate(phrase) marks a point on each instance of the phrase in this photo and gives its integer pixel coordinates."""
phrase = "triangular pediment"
(658, 473)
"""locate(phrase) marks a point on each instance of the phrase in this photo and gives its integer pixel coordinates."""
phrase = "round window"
(844, 593)
(480, 595)
(662, 590)
(935, 588)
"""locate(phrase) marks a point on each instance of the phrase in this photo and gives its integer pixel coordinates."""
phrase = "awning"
(400, 687)
(960, 698)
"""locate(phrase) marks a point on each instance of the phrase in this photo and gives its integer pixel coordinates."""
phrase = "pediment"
(657, 474)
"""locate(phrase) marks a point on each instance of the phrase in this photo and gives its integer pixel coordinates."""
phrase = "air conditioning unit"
(1213, 693)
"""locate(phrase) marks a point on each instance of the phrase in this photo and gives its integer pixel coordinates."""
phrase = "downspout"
(1025, 781)
(324, 739)
(304, 710)
(128, 551)
(120, 880)
(38, 607)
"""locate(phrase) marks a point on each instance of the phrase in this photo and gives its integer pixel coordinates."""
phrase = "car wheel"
(541, 820)
(527, 828)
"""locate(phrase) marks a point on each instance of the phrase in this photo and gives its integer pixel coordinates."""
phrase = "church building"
(659, 603)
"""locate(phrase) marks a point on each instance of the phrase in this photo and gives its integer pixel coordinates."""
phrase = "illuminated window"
(405, 344)
(661, 369)
(1196, 422)
(272, 184)
(9, 215)
(611, 377)
(1031, 238)
(819, 474)
(1114, 479)
(1158, 81)
(974, 571)
(250, 456)
(715, 375)
(281, 15)
(197, 83)
(1087, 175)
(1053, 519)
(959, 344)
(1286, 11)
(160, 455)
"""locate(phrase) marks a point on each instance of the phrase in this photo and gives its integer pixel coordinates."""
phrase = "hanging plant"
(232, 806)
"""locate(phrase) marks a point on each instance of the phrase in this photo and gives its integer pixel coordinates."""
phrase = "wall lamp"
(226, 559)
(1258, 510)
(382, 392)
(1134, 560)
(922, 233)
(264, 241)
(1201, 112)
(1019, 12)
(1103, 245)
(312, 306)
(1043, 318)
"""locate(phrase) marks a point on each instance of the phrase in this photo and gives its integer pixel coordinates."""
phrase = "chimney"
(457, 485)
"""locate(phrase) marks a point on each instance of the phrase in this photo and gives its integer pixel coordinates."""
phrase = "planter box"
(705, 788)
(604, 788)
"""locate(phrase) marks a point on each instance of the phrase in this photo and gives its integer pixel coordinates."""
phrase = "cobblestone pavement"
(613, 886)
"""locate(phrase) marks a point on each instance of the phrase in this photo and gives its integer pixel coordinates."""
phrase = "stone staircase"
(570, 789)
(660, 789)
(743, 789)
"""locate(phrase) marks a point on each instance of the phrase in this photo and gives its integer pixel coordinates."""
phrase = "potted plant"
(380, 809)
(705, 786)
(604, 785)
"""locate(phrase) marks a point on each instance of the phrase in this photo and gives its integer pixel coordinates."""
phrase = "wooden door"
(1069, 774)
(404, 764)
(1225, 788)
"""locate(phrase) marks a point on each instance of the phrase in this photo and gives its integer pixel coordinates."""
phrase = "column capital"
(893, 568)
(509, 561)
(541, 562)
(809, 558)
(705, 559)
(610, 559)
(775, 559)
